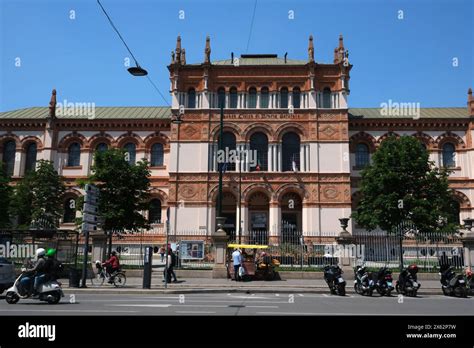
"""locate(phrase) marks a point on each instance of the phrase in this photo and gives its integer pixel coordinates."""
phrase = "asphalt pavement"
(241, 304)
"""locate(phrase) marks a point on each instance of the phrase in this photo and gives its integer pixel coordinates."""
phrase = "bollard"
(147, 263)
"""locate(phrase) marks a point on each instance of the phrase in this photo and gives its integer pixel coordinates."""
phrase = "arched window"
(264, 98)
(154, 211)
(130, 152)
(455, 217)
(228, 144)
(221, 98)
(296, 98)
(233, 98)
(327, 98)
(69, 210)
(252, 103)
(191, 98)
(74, 155)
(284, 98)
(448, 155)
(156, 155)
(9, 150)
(362, 155)
(101, 147)
(30, 162)
(259, 143)
(291, 152)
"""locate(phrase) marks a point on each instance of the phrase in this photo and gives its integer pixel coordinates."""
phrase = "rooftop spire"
(207, 50)
(311, 49)
(52, 104)
(470, 102)
(341, 41)
(178, 49)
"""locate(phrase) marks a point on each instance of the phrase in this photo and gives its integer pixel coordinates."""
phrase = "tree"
(38, 197)
(123, 191)
(5, 199)
(402, 184)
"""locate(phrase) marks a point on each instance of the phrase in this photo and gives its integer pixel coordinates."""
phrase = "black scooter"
(333, 277)
(407, 283)
(384, 281)
(452, 284)
(363, 283)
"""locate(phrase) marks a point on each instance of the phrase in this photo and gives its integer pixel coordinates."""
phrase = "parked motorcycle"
(452, 284)
(407, 283)
(333, 277)
(469, 282)
(384, 281)
(363, 283)
(50, 291)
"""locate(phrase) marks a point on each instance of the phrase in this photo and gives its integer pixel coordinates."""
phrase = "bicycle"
(117, 278)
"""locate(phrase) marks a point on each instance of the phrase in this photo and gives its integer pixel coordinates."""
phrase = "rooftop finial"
(207, 50)
(311, 49)
(341, 41)
(178, 49)
(183, 56)
(470, 102)
(52, 104)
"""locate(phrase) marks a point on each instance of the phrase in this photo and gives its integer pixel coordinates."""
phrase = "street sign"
(91, 209)
(88, 227)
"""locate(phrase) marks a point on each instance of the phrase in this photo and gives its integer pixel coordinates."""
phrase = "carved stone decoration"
(188, 191)
(329, 131)
(190, 131)
(331, 192)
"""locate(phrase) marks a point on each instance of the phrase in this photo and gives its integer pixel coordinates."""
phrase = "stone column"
(219, 239)
(98, 242)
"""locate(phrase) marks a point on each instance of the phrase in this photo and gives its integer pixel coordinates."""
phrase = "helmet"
(51, 252)
(468, 273)
(40, 252)
(413, 268)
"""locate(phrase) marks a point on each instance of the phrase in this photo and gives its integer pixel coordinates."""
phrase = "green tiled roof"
(128, 112)
(158, 112)
(261, 61)
(364, 113)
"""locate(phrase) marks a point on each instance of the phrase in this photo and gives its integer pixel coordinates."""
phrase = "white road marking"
(67, 310)
(141, 305)
(195, 312)
(262, 307)
(277, 294)
(301, 295)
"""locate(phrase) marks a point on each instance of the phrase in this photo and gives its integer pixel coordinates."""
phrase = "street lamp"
(220, 167)
(137, 71)
(468, 224)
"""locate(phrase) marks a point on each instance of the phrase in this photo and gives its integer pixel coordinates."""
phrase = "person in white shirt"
(237, 261)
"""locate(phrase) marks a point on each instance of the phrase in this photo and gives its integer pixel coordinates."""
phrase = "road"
(241, 304)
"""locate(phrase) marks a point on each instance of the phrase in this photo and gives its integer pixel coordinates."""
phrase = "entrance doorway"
(258, 222)
(291, 218)
(229, 206)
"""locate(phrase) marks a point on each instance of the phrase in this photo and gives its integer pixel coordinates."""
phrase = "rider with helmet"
(38, 269)
(112, 265)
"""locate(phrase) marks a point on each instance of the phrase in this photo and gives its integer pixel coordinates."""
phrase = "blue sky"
(409, 59)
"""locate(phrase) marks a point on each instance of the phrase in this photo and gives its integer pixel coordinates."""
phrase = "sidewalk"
(209, 285)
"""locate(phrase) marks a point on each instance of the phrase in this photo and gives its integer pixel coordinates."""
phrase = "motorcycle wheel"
(53, 297)
(445, 291)
(341, 290)
(370, 292)
(460, 292)
(397, 288)
(358, 289)
(12, 297)
(120, 279)
(388, 293)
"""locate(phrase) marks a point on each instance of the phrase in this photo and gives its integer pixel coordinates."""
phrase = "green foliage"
(5, 199)
(402, 184)
(123, 190)
(38, 196)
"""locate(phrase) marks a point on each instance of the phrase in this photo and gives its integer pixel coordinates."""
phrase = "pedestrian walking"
(171, 264)
(237, 261)
(162, 253)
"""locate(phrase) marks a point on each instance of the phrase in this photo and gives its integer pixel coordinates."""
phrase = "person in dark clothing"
(171, 265)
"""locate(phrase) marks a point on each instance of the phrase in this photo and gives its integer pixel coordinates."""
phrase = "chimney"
(470, 103)
(52, 105)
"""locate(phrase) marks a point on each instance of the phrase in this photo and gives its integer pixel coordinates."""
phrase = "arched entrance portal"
(291, 217)
(229, 206)
(258, 205)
